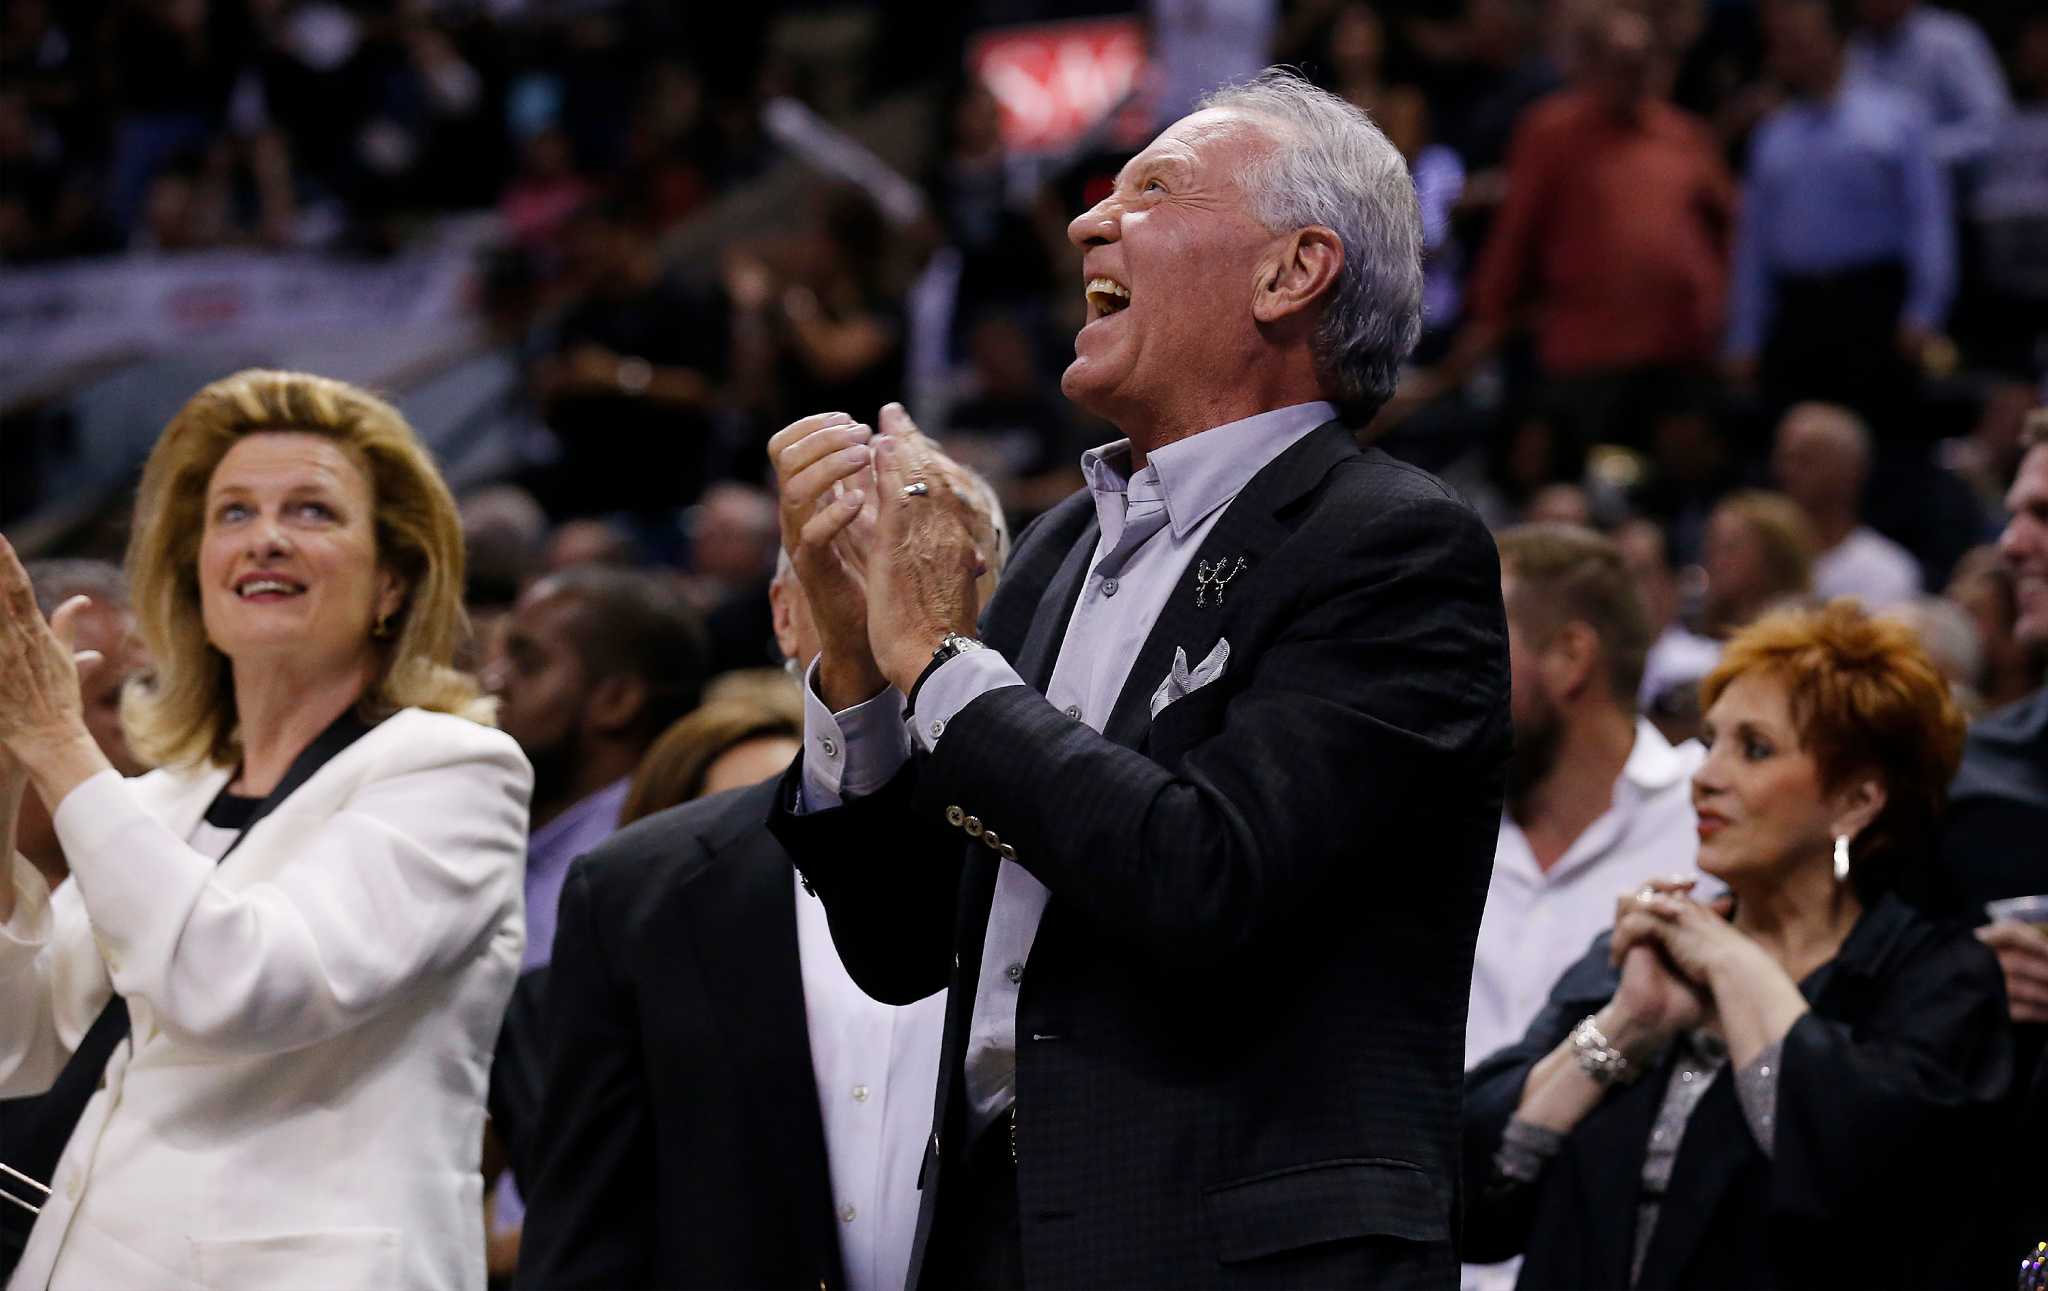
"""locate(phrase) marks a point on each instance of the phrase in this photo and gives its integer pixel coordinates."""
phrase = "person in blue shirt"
(1944, 61)
(1845, 254)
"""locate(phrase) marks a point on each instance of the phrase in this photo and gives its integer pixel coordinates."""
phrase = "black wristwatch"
(952, 646)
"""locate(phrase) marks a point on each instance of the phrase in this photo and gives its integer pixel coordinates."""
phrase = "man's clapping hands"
(889, 573)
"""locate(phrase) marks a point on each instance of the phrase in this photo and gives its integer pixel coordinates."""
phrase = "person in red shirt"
(1613, 243)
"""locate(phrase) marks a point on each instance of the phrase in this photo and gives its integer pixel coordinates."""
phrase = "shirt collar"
(599, 812)
(1652, 764)
(1202, 472)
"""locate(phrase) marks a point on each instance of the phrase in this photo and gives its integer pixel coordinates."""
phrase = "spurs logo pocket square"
(1182, 681)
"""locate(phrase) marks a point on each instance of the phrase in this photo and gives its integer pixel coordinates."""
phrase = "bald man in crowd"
(1822, 462)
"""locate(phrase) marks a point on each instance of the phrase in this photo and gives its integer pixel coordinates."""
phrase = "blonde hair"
(188, 714)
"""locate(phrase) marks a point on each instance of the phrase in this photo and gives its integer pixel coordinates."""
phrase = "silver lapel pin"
(1211, 575)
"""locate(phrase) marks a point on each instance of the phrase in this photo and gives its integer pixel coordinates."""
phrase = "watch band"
(951, 647)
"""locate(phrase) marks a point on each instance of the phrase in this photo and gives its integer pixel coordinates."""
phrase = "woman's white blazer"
(301, 1101)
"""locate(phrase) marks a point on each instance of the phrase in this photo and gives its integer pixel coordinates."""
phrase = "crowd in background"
(1758, 291)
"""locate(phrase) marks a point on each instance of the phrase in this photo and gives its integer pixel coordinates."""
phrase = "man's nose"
(1094, 226)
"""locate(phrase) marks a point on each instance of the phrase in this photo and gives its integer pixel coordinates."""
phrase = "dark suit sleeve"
(1915, 1097)
(889, 881)
(516, 1074)
(1498, 1210)
(590, 1218)
(1384, 696)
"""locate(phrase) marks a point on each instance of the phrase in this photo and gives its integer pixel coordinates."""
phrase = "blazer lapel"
(1249, 530)
(742, 922)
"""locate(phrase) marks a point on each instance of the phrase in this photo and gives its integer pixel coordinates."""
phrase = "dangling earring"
(1841, 858)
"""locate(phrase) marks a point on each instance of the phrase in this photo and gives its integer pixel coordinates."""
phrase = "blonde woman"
(311, 912)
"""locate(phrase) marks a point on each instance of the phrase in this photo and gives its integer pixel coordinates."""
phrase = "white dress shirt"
(1868, 566)
(1538, 923)
(1127, 585)
(876, 1067)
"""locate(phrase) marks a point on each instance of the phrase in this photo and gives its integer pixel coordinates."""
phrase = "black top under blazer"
(1894, 1114)
(679, 1140)
(1241, 1025)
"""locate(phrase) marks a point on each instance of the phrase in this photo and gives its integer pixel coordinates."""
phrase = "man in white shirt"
(1597, 801)
(724, 1106)
(1822, 461)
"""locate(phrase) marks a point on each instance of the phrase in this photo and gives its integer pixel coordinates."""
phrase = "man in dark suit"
(722, 1107)
(1197, 831)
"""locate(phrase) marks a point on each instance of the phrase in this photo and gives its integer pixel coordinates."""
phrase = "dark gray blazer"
(1241, 1026)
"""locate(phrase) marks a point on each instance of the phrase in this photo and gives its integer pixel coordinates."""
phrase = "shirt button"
(1687, 1076)
(1109, 586)
(1014, 972)
(860, 1093)
(830, 747)
(846, 1213)
(938, 729)
(1074, 711)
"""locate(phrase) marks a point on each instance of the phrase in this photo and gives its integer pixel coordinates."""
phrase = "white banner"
(83, 311)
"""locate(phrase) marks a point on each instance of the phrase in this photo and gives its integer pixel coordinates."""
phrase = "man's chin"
(1085, 385)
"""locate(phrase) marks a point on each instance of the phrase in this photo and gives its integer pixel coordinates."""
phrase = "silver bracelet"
(1606, 1064)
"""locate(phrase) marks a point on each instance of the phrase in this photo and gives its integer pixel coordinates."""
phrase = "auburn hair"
(1866, 699)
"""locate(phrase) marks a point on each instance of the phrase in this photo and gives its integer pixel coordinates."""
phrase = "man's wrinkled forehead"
(1205, 137)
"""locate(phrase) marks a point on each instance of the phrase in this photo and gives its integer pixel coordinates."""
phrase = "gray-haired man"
(1196, 825)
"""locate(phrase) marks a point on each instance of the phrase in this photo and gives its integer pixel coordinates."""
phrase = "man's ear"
(1575, 655)
(1302, 270)
(782, 614)
(615, 703)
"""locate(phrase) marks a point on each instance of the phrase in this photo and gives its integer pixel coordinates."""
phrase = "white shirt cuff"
(958, 682)
(849, 754)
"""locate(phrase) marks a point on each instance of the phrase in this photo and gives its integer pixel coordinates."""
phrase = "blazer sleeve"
(52, 983)
(1498, 1210)
(414, 872)
(1915, 1096)
(1387, 684)
(889, 879)
(590, 1212)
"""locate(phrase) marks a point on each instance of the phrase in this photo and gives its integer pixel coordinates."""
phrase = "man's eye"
(1152, 185)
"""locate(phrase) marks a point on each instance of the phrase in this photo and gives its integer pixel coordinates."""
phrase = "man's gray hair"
(1338, 170)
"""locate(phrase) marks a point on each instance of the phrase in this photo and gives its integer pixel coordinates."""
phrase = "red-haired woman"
(1803, 1085)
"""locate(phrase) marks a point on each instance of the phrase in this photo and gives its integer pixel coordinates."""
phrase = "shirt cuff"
(1756, 1088)
(849, 754)
(957, 683)
(1525, 1149)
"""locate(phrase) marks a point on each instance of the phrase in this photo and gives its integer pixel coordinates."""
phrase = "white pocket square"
(1181, 682)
